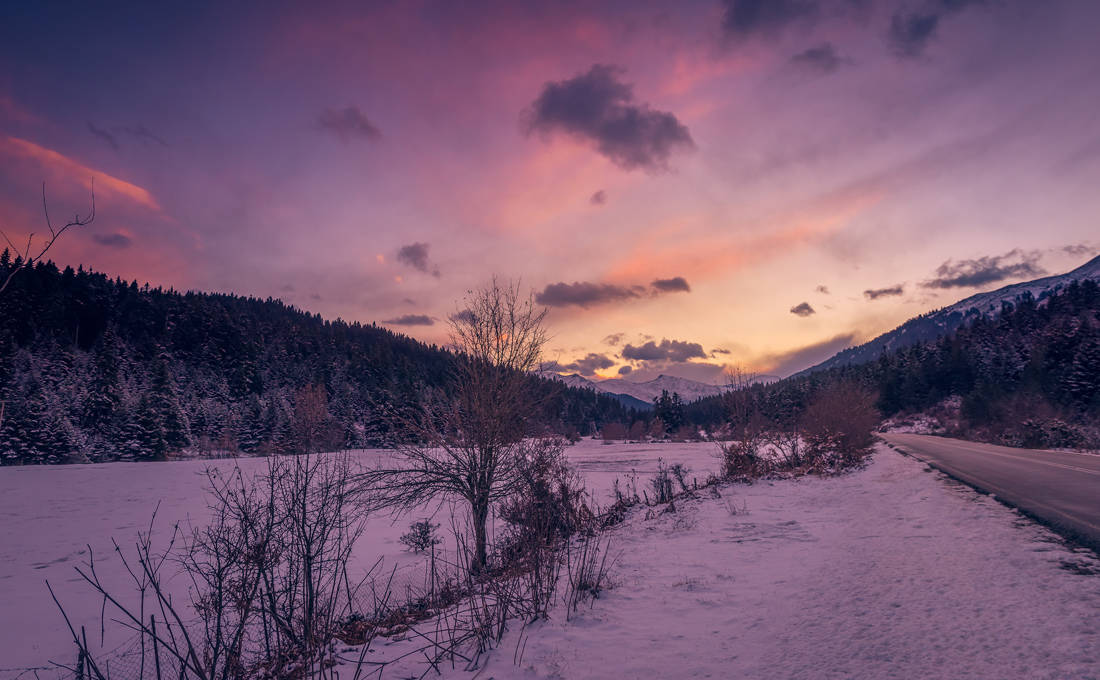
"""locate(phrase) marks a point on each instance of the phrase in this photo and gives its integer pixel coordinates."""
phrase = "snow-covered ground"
(891, 572)
(888, 572)
(50, 513)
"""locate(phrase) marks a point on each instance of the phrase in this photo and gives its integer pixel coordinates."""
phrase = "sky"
(687, 186)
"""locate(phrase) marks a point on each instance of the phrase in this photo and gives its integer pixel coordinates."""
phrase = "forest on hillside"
(98, 369)
(1028, 376)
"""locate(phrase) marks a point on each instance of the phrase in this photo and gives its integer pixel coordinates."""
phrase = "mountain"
(1028, 375)
(641, 394)
(944, 321)
(689, 390)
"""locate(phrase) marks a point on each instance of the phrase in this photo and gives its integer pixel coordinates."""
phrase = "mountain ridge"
(936, 323)
(641, 392)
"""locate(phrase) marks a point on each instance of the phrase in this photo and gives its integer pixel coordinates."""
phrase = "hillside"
(1028, 375)
(943, 321)
(95, 369)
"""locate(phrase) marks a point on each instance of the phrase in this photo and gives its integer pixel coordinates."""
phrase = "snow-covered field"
(50, 514)
(888, 572)
(891, 572)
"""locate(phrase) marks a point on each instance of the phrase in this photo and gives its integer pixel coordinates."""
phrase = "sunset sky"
(686, 185)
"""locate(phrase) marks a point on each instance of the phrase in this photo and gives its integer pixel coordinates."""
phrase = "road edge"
(1073, 537)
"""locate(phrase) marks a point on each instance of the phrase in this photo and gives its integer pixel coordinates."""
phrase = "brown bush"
(838, 426)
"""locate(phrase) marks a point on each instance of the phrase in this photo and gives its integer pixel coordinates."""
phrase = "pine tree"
(1083, 378)
(166, 412)
(670, 409)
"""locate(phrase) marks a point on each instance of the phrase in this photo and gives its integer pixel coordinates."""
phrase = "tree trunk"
(480, 511)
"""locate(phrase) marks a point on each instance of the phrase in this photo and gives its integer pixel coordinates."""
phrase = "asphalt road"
(1059, 488)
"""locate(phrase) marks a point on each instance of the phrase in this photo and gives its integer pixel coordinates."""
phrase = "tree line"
(98, 369)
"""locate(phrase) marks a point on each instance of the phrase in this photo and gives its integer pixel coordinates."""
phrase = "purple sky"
(688, 185)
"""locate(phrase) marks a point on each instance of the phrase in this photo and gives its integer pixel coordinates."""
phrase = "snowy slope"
(689, 390)
(940, 322)
(582, 383)
(644, 392)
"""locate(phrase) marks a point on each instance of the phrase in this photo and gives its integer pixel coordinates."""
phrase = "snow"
(51, 513)
(891, 572)
(887, 572)
(689, 390)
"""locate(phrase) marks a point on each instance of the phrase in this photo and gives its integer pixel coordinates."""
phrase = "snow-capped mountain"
(689, 390)
(942, 321)
(641, 393)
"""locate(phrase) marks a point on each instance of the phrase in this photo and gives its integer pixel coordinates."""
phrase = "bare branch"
(25, 258)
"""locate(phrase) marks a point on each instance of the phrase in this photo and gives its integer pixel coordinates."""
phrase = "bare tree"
(469, 444)
(29, 255)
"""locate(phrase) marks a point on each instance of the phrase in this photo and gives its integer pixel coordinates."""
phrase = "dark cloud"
(109, 139)
(116, 240)
(911, 32)
(785, 363)
(823, 58)
(802, 309)
(415, 255)
(692, 370)
(744, 18)
(552, 366)
(676, 284)
(824, 290)
(348, 123)
(668, 350)
(598, 107)
(989, 269)
(463, 317)
(598, 198)
(719, 350)
(625, 370)
(138, 132)
(1079, 250)
(615, 339)
(411, 320)
(315, 296)
(589, 364)
(876, 293)
(587, 294)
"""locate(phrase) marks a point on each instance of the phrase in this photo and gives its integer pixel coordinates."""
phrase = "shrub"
(662, 483)
(740, 444)
(421, 536)
(548, 502)
(839, 424)
(613, 432)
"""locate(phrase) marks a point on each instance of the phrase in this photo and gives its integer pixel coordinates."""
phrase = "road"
(1060, 488)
